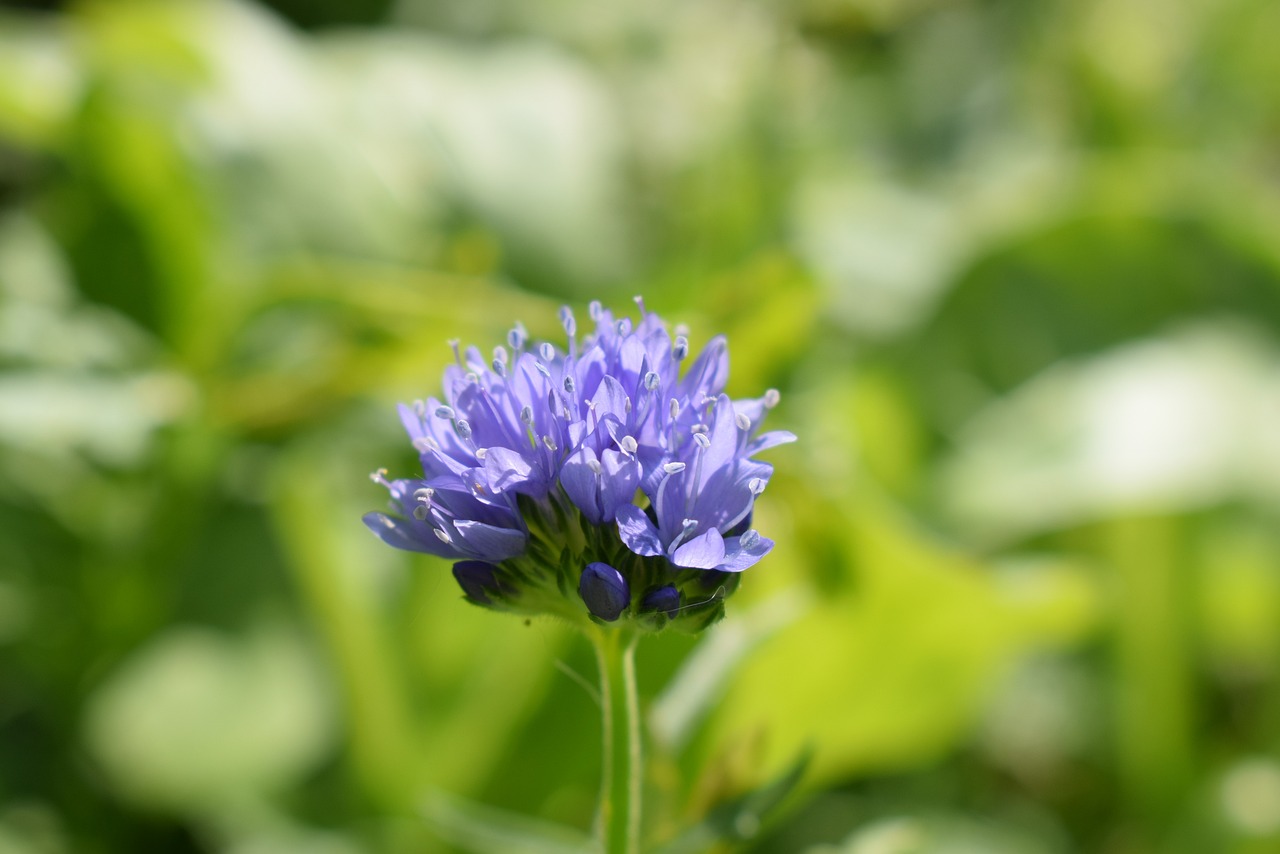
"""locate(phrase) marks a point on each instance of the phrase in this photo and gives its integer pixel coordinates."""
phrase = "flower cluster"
(534, 461)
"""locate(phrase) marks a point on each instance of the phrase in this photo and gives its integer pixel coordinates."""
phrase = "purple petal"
(637, 532)
(487, 542)
(403, 534)
(705, 551)
(507, 469)
(581, 484)
(737, 558)
(619, 483)
(710, 371)
(769, 440)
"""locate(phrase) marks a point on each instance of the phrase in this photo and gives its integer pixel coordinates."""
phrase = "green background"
(1014, 267)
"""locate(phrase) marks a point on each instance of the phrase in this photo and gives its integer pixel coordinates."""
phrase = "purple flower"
(544, 462)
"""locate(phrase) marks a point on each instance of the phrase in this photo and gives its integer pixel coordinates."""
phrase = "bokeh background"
(1014, 267)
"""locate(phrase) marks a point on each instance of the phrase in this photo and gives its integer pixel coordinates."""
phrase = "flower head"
(597, 468)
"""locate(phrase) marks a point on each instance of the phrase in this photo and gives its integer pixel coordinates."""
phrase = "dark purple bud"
(605, 591)
(477, 580)
(664, 599)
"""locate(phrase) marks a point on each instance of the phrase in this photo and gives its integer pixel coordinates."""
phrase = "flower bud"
(605, 591)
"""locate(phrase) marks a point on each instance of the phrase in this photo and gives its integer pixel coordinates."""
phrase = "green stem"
(618, 817)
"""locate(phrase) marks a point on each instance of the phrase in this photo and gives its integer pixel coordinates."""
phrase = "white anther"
(481, 453)
(442, 536)
(594, 466)
(567, 321)
(698, 428)
(651, 381)
(594, 309)
(424, 494)
(744, 423)
(499, 368)
(379, 476)
(629, 444)
(674, 408)
(749, 539)
(445, 412)
(569, 384)
(526, 415)
(420, 512)
(703, 440)
(771, 398)
(542, 369)
(756, 485)
(549, 443)
(463, 429)
(673, 468)
(680, 349)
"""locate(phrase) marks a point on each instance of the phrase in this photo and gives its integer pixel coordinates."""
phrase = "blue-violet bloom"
(566, 479)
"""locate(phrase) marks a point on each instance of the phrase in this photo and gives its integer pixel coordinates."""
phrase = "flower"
(534, 459)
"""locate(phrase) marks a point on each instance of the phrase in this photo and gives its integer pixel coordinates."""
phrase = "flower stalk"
(622, 774)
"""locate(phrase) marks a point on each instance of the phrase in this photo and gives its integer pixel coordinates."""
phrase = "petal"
(403, 534)
(488, 542)
(506, 469)
(582, 484)
(769, 440)
(619, 483)
(637, 532)
(709, 372)
(704, 551)
(737, 558)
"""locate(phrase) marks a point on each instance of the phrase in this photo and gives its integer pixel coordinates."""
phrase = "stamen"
(420, 408)
(481, 453)
(749, 539)
(443, 537)
(771, 398)
(756, 485)
(457, 355)
(675, 409)
(698, 428)
(651, 380)
(473, 377)
(463, 429)
(687, 527)
(594, 309)
(379, 476)
(629, 444)
(624, 326)
(567, 321)
(526, 415)
(703, 440)
(500, 354)
(420, 513)
(639, 301)
(445, 412)
(594, 466)
(550, 443)
(516, 338)
(542, 369)
(744, 423)
(424, 494)
(548, 352)
(680, 349)
(569, 384)
(673, 468)
(500, 368)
